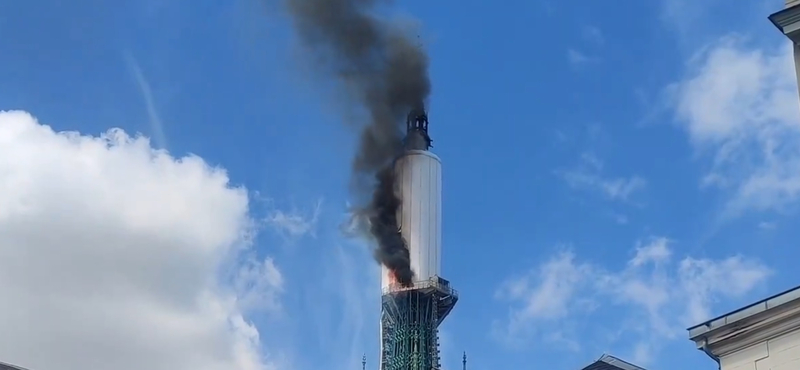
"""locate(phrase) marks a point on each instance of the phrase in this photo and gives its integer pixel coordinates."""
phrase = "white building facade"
(762, 336)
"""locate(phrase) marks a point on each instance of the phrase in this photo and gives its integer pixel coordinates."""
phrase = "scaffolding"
(410, 318)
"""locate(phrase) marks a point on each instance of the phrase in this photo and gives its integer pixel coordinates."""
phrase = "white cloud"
(258, 285)
(592, 161)
(703, 280)
(295, 224)
(642, 353)
(741, 105)
(619, 218)
(547, 291)
(656, 251)
(661, 297)
(589, 176)
(576, 57)
(766, 225)
(112, 253)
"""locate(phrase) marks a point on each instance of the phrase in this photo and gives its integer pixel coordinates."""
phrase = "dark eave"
(788, 22)
(5, 366)
(608, 362)
(779, 299)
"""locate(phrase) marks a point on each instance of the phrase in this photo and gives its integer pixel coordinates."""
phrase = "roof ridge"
(620, 363)
(10, 366)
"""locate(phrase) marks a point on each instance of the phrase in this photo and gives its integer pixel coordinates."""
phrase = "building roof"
(777, 300)
(788, 22)
(608, 362)
(5, 366)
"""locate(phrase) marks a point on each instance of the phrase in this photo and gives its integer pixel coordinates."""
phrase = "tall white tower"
(411, 315)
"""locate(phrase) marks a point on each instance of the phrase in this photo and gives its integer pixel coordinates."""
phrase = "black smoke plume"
(385, 72)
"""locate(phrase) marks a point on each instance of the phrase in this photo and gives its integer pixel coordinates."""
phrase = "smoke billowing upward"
(386, 73)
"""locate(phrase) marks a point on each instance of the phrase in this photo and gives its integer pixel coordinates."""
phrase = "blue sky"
(613, 173)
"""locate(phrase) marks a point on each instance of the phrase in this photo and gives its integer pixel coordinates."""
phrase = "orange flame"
(394, 283)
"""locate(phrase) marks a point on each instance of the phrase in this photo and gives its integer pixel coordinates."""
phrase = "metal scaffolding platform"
(410, 318)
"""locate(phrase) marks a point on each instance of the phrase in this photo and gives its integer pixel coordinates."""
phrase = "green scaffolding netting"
(410, 334)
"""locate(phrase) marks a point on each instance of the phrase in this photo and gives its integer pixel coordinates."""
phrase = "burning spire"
(385, 72)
